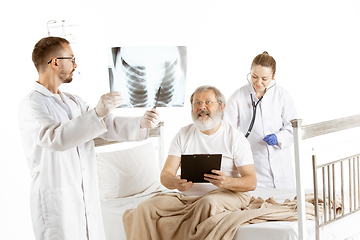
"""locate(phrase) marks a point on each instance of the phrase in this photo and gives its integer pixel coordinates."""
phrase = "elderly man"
(57, 130)
(208, 134)
(175, 216)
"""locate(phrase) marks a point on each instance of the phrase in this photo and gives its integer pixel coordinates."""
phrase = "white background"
(315, 44)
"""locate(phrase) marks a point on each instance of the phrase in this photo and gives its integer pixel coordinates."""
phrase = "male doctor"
(57, 131)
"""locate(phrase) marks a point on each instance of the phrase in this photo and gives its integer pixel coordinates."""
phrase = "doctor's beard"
(210, 123)
(66, 77)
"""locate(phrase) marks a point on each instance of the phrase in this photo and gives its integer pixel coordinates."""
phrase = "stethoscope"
(255, 104)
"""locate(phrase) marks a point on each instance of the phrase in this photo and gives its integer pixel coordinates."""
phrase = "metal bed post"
(161, 145)
(159, 133)
(296, 124)
(358, 178)
(316, 199)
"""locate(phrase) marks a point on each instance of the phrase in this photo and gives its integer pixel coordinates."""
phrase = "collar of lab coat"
(43, 90)
(251, 89)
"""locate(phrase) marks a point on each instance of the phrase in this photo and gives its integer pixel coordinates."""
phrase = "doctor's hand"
(218, 178)
(150, 119)
(271, 139)
(182, 184)
(107, 103)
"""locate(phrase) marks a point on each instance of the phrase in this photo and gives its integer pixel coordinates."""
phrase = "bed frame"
(327, 174)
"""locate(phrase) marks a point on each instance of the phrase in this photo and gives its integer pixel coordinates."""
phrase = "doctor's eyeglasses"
(206, 103)
(72, 58)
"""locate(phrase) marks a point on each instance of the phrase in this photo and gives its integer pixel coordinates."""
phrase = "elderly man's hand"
(218, 178)
(182, 184)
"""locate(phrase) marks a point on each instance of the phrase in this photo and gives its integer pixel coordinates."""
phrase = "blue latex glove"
(271, 139)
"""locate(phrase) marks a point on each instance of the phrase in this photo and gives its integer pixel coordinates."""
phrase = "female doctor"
(262, 110)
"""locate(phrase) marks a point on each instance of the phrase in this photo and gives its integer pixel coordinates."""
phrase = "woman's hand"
(271, 139)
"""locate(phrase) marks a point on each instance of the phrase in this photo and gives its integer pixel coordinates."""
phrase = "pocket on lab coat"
(59, 207)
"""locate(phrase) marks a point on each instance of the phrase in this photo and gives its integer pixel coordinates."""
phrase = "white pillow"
(127, 172)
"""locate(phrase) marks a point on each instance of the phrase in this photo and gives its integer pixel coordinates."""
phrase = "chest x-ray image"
(148, 76)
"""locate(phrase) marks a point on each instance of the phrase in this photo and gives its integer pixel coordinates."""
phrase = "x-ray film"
(148, 76)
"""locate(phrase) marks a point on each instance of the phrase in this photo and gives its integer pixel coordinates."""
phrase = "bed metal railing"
(331, 190)
(313, 130)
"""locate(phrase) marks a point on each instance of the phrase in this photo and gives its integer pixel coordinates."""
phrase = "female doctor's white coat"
(273, 164)
(58, 144)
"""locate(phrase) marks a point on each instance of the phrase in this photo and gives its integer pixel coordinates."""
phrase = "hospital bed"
(123, 187)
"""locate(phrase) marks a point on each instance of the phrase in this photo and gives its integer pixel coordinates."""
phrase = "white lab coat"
(58, 144)
(273, 164)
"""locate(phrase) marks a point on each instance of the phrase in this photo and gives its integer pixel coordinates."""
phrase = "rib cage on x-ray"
(136, 84)
(137, 88)
(139, 72)
(167, 85)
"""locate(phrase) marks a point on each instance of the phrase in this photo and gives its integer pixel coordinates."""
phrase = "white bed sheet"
(113, 210)
(285, 230)
(282, 230)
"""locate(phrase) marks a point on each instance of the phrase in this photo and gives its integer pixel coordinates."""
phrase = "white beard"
(210, 123)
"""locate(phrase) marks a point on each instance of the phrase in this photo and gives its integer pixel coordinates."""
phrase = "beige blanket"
(172, 216)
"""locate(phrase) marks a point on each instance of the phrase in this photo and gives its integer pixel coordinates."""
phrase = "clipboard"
(194, 166)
